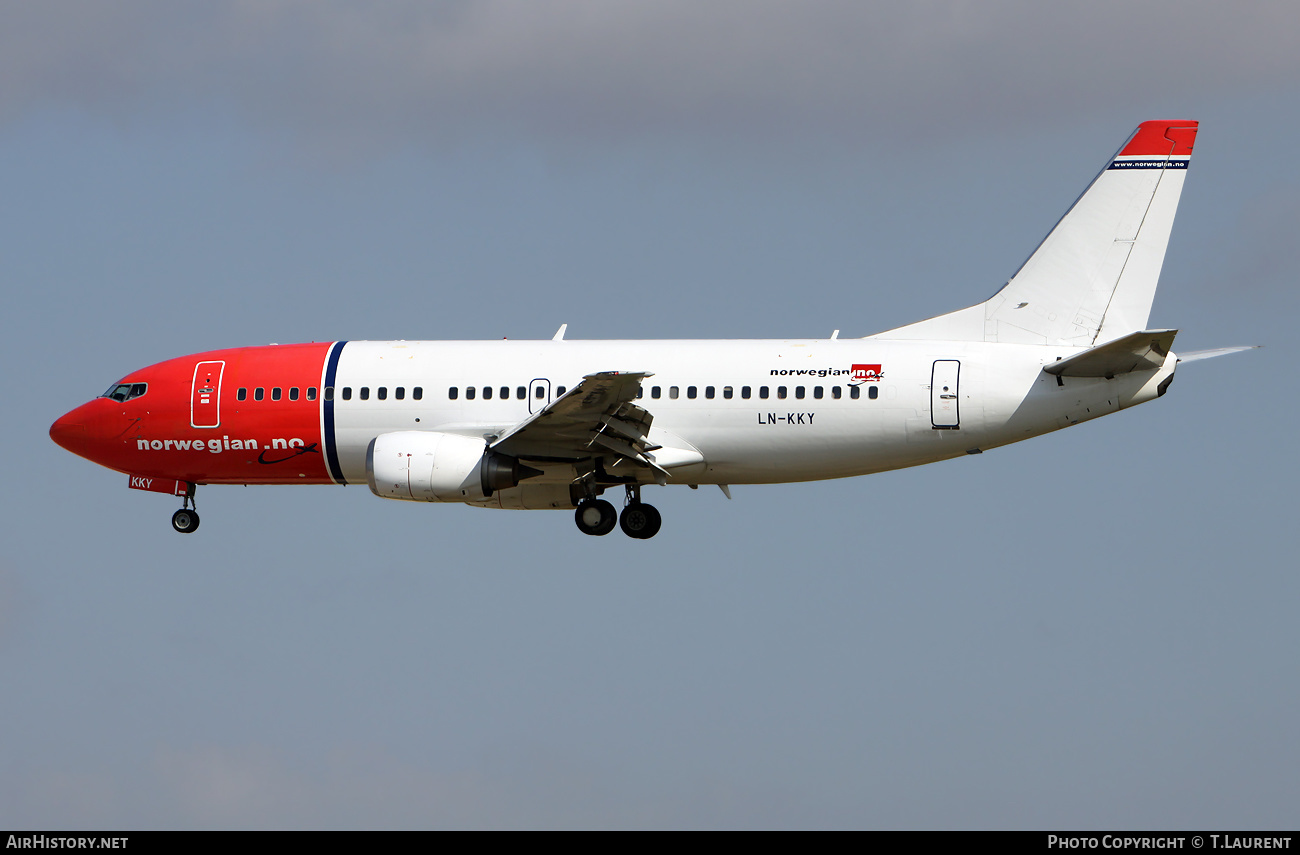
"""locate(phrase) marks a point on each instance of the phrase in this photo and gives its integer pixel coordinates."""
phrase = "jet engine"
(429, 466)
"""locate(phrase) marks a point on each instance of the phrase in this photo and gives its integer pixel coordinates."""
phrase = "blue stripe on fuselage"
(327, 401)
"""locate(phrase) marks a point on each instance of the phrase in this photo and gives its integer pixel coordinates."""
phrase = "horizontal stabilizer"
(1139, 351)
(1210, 354)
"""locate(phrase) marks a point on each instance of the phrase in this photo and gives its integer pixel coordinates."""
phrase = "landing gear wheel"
(595, 516)
(185, 521)
(640, 520)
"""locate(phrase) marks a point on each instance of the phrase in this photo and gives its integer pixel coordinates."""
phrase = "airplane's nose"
(69, 431)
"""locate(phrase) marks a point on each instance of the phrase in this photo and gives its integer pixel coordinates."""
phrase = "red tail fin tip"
(1161, 138)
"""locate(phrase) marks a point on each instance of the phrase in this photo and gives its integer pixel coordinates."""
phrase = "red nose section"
(74, 430)
(69, 433)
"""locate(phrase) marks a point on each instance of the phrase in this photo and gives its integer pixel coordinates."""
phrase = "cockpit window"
(125, 391)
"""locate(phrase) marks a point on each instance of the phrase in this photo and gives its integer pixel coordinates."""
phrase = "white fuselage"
(756, 411)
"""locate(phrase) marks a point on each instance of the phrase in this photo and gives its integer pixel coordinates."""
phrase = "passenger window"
(817, 391)
(855, 392)
(417, 393)
(470, 391)
(540, 392)
(559, 391)
(672, 392)
(453, 393)
(640, 392)
(873, 392)
(382, 393)
(780, 391)
(744, 392)
(690, 391)
(487, 393)
(762, 392)
(708, 391)
(798, 392)
(656, 391)
(329, 393)
(521, 392)
(259, 393)
(347, 393)
(241, 395)
(311, 393)
(275, 393)
(836, 391)
(726, 392)
(365, 393)
(293, 393)
(400, 393)
(505, 393)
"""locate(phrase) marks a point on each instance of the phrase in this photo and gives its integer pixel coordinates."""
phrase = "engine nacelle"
(429, 466)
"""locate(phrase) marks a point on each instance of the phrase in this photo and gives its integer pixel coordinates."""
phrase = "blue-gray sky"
(1091, 629)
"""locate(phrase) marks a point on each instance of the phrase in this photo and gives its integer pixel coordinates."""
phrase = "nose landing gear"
(186, 520)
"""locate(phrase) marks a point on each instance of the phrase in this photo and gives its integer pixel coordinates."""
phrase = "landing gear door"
(539, 394)
(944, 413)
(205, 393)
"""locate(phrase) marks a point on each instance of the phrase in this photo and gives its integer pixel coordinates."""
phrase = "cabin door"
(205, 393)
(944, 414)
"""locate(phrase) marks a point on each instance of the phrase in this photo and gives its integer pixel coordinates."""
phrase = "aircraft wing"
(594, 418)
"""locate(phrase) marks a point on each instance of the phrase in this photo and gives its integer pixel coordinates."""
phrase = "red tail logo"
(867, 373)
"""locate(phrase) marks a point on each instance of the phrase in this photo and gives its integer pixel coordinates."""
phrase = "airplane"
(555, 424)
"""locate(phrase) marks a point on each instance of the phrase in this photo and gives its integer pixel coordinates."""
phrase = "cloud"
(406, 72)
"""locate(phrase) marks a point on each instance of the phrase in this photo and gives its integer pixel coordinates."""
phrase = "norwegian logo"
(858, 373)
(866, 373)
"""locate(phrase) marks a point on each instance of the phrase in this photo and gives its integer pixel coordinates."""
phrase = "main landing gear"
(595, 516)
(186, 520)
(638, 520)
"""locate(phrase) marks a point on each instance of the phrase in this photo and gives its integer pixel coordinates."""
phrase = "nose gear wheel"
(185, 521)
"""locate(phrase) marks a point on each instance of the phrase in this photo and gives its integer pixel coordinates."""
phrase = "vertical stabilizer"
(1093, 278)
